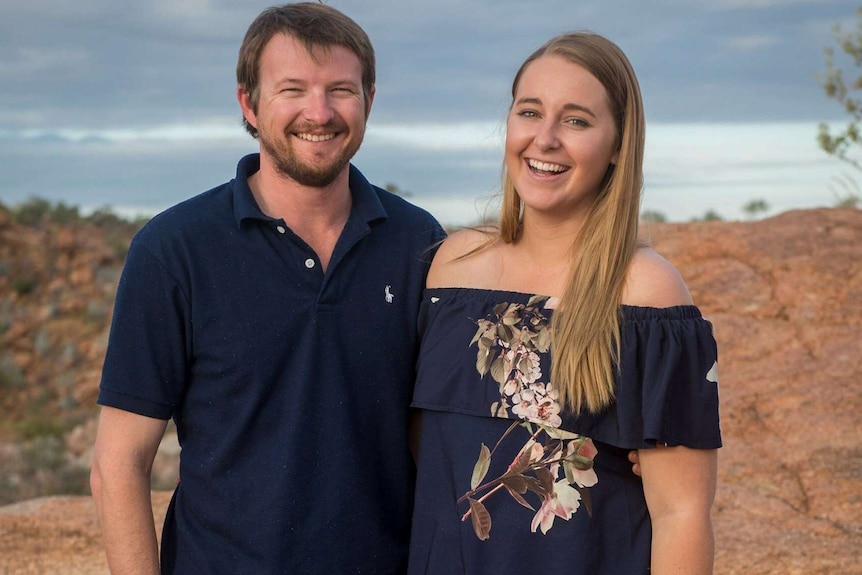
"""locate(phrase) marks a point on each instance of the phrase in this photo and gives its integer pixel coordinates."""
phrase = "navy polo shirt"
(289, 386)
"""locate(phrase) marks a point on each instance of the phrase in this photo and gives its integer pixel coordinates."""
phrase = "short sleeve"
(146, 362)
(666, 384)
(667, 390)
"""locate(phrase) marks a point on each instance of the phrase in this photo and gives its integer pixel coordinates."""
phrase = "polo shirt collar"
(244, 205)
(366, 204)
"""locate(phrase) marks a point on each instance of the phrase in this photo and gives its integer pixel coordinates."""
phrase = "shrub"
(23, 286)
(33, 211)
(653, 216)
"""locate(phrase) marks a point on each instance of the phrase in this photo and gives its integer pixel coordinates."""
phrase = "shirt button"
(280, 229)
(309, 263)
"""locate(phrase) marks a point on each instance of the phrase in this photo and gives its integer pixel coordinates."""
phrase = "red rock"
(785, 297)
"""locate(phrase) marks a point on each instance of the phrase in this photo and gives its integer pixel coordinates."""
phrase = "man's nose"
(318, 108)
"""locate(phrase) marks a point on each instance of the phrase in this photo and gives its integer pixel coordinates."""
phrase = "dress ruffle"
(666, 385)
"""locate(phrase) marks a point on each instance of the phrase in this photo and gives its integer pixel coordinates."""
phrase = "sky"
(132, 104)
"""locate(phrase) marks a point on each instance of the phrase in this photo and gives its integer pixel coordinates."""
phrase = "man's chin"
(312, 178)
(307, 171)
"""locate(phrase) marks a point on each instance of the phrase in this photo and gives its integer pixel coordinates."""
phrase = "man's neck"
(315, 214)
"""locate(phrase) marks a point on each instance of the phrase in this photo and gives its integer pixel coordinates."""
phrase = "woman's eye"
(577, 122)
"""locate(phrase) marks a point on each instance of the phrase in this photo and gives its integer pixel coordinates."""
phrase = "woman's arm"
(679, 485)
(679, 482)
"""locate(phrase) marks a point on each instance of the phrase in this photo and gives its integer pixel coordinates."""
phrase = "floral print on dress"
(555, 465)
(509, 342)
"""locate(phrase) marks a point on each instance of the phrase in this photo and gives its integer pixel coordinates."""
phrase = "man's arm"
(126, 444)
(635, 461)
(679, 485)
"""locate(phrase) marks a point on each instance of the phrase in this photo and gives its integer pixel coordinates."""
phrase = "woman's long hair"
(585, 327)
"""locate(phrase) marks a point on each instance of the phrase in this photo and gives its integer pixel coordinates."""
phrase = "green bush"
(11, 376)
(709, 216)
(40, 468)
(62, 213)
(23, 286)
(37, 426)
(653, 216)
(105, 217)
(33, 211)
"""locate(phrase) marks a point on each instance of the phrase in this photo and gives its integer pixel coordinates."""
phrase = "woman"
(556, 343)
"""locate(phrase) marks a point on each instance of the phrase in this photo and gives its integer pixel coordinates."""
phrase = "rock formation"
(785, 298)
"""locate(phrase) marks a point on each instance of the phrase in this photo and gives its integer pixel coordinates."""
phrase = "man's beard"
(289, 165)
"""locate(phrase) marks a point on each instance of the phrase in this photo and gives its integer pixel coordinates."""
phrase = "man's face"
(311, 111)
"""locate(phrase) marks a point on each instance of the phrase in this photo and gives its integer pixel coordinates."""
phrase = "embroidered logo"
(388, 294)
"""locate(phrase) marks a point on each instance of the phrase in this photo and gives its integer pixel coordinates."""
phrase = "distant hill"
(784, 295)
(58, 278)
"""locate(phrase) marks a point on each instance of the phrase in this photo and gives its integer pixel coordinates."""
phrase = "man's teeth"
(546, 167)
(315, 137)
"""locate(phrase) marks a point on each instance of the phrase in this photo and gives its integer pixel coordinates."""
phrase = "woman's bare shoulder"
(462, 257)
(652, 281)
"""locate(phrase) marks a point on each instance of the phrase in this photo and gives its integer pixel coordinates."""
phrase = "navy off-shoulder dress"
(554, 493)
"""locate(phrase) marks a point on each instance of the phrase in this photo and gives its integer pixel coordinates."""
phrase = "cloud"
(182, 9)
(96, 63)
(751, 43)
(721, 5)
(48, 10)
(28, 60)
(182, 133)
(418, 137)
(453, 170)
(458, 136)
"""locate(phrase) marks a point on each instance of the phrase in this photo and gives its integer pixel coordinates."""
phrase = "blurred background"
(132, 105)
(112, 111)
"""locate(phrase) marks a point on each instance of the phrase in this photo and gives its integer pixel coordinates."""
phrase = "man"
(274, 319)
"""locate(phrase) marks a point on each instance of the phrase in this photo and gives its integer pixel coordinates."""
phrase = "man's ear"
(245, 104)
(370, 101)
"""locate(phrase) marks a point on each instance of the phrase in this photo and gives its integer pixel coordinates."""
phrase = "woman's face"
(560, 137)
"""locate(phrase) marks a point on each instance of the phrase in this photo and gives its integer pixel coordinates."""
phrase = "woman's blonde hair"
(585, 327)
